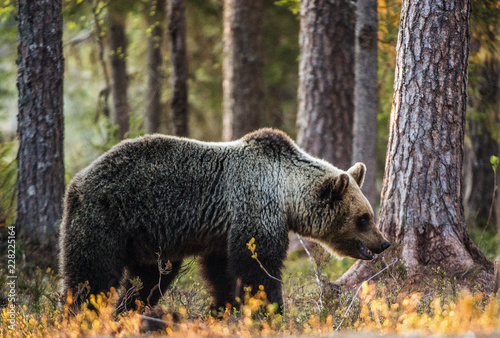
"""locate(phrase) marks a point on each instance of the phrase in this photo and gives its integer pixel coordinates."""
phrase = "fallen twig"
(359, 288)
(318, 280)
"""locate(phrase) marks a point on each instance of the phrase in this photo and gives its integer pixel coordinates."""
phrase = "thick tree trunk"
(326, 80)
(326, 83)
(118, 48)
(421, 208)
(40, 180)
(177, 41)
(243, 67)
(365, 95)
(154, 110)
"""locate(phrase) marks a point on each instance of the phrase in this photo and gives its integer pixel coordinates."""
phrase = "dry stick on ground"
(162, 271)
(359, 288)
(143, 317)
(318, 280)
(156, 320)
(131, 292)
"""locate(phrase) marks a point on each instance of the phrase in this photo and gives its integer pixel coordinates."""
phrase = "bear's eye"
(363, 222)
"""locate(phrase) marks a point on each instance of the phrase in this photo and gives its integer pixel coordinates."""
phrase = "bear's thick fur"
(176, 197)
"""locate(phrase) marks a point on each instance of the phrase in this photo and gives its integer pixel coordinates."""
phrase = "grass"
(382, 307)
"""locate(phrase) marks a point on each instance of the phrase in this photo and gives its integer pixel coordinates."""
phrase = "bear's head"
(341, 218)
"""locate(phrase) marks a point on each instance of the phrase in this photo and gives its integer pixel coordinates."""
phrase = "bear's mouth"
(365, 251)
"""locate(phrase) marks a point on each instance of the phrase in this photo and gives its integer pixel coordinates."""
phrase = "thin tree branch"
(318, 280)
(359, 288)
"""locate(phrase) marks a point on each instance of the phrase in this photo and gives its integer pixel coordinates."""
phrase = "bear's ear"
(334, 187)
(358, 172)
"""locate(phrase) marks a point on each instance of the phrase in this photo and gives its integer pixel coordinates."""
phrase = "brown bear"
(178, 197)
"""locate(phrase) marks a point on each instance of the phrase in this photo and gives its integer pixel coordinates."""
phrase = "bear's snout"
(385, 245)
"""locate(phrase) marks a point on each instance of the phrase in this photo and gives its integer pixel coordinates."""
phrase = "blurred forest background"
(89, 57)
(125, 67)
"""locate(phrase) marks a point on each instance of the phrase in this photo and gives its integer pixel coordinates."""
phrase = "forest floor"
(386, 307)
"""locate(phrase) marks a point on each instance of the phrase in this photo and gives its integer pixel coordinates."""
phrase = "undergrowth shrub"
(383, 307)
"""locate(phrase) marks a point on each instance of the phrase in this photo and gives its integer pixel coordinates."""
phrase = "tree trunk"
(154, 110)
(326, 80)
(326, 83)
(243, 67)
(366, 95)
(40, 180)
(421, 208)
(177, 41)
(118, 48)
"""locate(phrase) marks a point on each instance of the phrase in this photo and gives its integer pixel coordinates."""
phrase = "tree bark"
(40, 180)
(154, 110)
(326, 83)
(421, 208)
(118, 48)
(243, 67)
(177, 41)
(326, 80)
(366, 95)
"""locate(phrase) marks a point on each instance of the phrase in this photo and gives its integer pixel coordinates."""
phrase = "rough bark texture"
(119, 85)
(243, 67)
(154, 110)
(177, 41)
(365, 95)
(40, 181)
(421, 208)
(326, 80)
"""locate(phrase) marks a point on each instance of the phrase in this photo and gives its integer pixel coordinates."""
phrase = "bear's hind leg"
(222, 283)
(89, 259)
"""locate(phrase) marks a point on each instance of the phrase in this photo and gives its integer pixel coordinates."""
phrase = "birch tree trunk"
(421, 208)
(366, 95)
(326, 80)
(243, 67)
(118, 48)
(154, 110)
(40, 62)
(177, 41)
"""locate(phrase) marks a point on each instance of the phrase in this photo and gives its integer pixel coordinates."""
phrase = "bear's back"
(157, 154)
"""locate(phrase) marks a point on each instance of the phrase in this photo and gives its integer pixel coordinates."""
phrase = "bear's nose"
(385, 245)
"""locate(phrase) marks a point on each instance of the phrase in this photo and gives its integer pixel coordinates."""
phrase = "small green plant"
(494, 160)
(494, 165)
(292, 5)
(251, 246)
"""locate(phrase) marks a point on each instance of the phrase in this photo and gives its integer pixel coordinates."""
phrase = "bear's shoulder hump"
(271, 137)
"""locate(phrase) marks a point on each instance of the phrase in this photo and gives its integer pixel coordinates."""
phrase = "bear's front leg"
(214, 268)
(264, 269)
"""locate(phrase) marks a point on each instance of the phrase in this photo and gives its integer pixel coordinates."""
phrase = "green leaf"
(494, 162)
